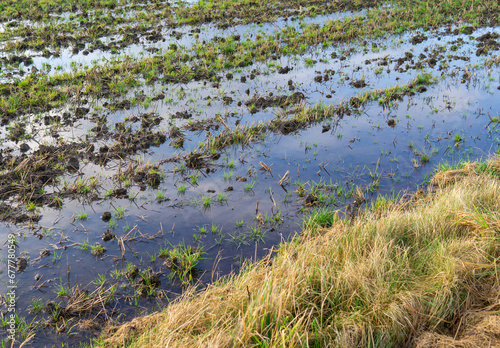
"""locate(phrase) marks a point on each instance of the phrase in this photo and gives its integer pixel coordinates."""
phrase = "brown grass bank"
(419, 272)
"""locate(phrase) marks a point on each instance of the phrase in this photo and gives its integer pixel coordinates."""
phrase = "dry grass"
(484, 331)
(423, 272)
(447, 177)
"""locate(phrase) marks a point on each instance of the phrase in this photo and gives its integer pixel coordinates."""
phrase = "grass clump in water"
(182, 260)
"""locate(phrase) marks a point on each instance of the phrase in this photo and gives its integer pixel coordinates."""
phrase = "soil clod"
(108, 235)
(73, 164)
(21, 264)
(106, 216)
(24, 147)
(358, 83)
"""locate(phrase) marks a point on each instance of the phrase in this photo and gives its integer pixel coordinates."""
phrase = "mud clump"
(132, 272)
(24, 147)
(261, 102)
(107, 236)
(73, 164)
(184, 115)
(159, 96)
(355, 102)
(486, 43)
(310, 200)
(241, 178)
(119, 193)
(153, 179)
(21, 264)
(177, 137)
(418, 39)
(122, 105)
(358, 83)
(195, 160)
(79, 112)
(106, 216)
(286, 127)
(431, 62)
(284, 70)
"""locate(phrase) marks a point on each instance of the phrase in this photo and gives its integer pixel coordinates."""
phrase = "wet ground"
(120, 198)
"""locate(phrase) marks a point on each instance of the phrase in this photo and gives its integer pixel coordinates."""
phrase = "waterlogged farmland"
(147, 146)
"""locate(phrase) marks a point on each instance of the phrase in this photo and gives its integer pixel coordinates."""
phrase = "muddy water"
(449, 122)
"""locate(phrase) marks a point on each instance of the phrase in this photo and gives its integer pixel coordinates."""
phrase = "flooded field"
(148, 146)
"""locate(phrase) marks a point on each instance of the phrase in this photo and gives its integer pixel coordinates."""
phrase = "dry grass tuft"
(448, 177)
(415, 273)
(484, 332)
(122, 335)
